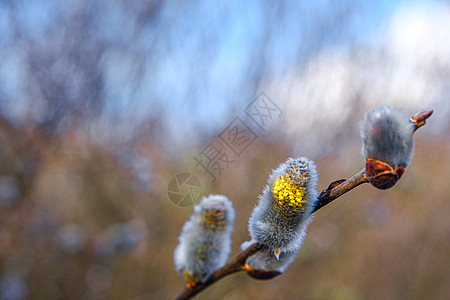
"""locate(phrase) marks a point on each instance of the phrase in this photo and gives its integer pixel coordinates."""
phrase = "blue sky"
(202, 61)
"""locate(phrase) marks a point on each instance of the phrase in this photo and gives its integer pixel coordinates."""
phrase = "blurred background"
(103, 104)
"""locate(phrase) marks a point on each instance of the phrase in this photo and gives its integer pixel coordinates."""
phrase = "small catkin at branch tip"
(387, 136)
(388, 143)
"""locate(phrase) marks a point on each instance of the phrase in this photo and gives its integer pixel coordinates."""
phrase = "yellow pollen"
(287, 193)
(214, 219)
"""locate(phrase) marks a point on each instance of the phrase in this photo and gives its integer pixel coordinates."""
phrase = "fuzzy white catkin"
(276, 224)
(205, 241)
(387, 135)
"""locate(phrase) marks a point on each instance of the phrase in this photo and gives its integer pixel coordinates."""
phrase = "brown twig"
(335, 190)
(340, 187)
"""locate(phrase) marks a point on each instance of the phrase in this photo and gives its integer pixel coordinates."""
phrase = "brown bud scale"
(381, 175)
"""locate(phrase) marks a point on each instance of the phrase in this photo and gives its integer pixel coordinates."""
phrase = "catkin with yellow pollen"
(205, 241)
(283, 213)
(288, 194)
(214, 219)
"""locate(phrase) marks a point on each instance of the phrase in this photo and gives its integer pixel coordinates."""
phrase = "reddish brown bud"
(419, 117)
(381, 175)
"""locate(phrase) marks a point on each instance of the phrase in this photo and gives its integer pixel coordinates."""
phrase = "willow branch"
(335, 190)
(340, 187)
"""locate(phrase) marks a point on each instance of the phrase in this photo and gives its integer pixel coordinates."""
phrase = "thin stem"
(334, 192)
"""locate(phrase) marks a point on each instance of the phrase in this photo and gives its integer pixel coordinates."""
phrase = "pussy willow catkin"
(283, 213)
(205, 241)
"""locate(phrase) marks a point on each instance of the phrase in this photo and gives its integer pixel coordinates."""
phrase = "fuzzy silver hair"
(387, 136)
(205, 241)
(265, 260)
(277, 225)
